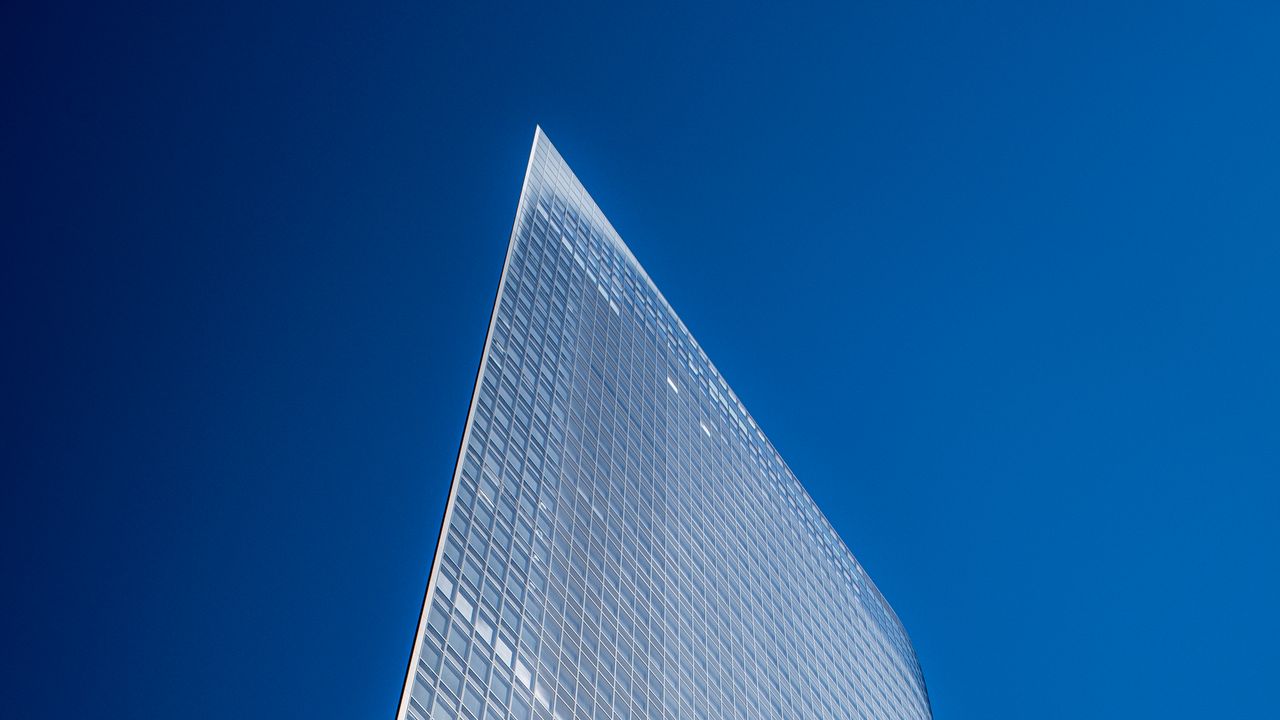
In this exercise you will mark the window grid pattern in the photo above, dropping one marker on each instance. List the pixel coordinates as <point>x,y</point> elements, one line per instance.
<point>622,541</point>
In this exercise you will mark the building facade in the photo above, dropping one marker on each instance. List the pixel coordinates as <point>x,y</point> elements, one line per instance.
<point>621,541</point>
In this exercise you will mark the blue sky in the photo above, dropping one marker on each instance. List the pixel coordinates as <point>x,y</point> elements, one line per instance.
<point>1000,282</point>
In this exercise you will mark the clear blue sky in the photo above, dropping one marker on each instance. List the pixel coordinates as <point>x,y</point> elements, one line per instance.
<point>1001,282</point>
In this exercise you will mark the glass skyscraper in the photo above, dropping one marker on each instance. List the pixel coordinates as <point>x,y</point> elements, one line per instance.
<point>621,541</point>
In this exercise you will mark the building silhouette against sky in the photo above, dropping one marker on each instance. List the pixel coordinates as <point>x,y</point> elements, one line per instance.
<point>621,541</point>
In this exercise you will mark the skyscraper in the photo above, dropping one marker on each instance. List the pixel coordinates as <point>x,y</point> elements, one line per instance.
<point>621,541</point>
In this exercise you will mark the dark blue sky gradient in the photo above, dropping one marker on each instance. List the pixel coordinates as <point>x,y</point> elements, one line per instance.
<point>1000,282</point>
